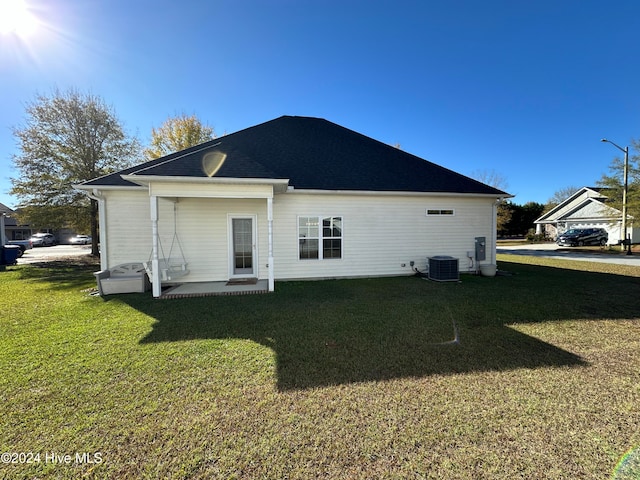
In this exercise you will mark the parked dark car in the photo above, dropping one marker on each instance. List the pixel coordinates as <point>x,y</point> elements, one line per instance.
<point>43,240</point>
<point>577,237</point>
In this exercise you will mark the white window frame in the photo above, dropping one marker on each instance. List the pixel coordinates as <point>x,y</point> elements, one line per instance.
<point>320,238</point>
<point>441,212</point>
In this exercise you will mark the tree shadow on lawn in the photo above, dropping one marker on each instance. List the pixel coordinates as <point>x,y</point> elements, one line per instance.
<point>61,274</point>
<point>344,331</point>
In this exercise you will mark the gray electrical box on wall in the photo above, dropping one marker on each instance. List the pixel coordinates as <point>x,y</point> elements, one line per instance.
<point>481,248</point>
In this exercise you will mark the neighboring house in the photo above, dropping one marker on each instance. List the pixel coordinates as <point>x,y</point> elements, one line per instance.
<point>586,208</point>
<point>16,231</point>
<point>292,198</point>
<point>13,230</point>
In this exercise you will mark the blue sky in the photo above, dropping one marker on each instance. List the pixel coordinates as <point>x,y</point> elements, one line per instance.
<point>523,88</point>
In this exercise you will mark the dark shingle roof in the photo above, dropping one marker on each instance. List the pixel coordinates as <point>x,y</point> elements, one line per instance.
<point>313,154</point>
<point>6,210</point>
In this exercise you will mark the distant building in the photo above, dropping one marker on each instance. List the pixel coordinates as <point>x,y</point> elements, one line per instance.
<point>586,208</point>
<point>12,229</point>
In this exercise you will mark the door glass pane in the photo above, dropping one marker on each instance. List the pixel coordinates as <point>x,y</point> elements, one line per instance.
<point>242,245</point>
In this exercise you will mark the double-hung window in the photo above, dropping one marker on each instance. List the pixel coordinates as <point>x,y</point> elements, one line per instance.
<point>319,237</point>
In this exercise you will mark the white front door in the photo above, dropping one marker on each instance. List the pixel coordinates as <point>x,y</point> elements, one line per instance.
<point>242,246</point>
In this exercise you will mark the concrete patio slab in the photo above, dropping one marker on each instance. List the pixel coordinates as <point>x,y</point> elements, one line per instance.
<point>206,289</point>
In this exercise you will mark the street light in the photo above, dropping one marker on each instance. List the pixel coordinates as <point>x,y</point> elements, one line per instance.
<point>624,192</point>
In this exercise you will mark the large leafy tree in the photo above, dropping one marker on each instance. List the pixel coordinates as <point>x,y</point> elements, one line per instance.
<point>614,182</point>
<point>519,219</point>
<point>177,133</point>
<point>67,138</point>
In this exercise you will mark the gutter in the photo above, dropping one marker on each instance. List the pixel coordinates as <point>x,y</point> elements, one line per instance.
<point>94,194</point>
<point>397,193</point>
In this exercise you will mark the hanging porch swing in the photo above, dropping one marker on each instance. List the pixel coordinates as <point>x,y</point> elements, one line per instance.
<point>170,267</point>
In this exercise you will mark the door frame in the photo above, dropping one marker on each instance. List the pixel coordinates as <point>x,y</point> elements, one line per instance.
<point>254,251</point>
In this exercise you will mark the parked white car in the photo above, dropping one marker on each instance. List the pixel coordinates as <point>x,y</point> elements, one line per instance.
<point>80,240</point>
<point>43,240</point>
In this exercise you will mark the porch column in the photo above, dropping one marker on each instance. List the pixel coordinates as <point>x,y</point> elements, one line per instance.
<point>155,264</point>
<point>270,239</point>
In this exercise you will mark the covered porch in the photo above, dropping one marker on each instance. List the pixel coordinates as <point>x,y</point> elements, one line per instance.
<point>240,251</point>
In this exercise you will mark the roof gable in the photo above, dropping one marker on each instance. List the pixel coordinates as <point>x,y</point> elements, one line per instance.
<point>6,210</point>
<point>591,209</point>
<point>588,202</point>
<point>312,153</point>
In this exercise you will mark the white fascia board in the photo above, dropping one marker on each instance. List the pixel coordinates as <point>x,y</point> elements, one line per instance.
<point>391,193</point>
<point>550,217</point>
<point>90,188</point>
<point>545,218</point>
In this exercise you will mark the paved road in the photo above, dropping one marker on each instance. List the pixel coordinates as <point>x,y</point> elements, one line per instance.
<point>553,251</point>
<point>44,254</point>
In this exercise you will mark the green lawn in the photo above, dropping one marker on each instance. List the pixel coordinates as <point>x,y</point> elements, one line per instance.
<point>348,379</point>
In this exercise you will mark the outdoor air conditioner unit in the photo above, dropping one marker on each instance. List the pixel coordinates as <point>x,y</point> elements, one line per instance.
<point>443,268</point>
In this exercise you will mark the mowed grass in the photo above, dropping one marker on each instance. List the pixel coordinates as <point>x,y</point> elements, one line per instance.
<point>348,379</point>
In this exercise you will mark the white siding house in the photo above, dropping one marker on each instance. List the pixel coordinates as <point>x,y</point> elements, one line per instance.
<point>381,234</point>
<point>586,208</point>
<point>293,198</point>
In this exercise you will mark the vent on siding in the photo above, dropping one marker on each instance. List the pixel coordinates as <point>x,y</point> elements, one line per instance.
<point>443,268</point>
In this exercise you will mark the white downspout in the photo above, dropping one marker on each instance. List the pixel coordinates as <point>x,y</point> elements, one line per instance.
<point>494,231</point>
<point>3,238</point>
<point>270,240</point>
<point>155,264</point>
<point>102,227</point>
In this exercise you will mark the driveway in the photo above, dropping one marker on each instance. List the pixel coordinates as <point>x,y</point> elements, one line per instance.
<point>551,250</point>
<point>57,252</point>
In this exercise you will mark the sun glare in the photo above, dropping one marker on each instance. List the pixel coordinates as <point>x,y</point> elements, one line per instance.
<point>15,18</point>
